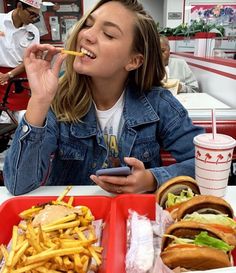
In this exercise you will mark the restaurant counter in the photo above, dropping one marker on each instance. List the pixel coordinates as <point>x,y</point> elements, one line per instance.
<point>91,190</point>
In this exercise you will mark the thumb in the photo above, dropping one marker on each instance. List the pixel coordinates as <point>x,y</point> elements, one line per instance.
<point>134,163</point>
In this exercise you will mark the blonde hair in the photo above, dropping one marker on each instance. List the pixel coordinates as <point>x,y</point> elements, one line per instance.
<point>74,98</point>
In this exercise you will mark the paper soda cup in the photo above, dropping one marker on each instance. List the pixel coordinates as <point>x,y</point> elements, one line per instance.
<point>213,159</point>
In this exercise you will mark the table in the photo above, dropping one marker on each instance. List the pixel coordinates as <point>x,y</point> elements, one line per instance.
<point>200,101</point>
<point>92,190</point>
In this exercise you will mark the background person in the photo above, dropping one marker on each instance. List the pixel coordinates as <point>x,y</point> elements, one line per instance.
<point>17,33</point>
<point>178,69</point>
<point>108,108</point>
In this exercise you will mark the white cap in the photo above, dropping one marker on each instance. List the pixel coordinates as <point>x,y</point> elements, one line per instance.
<point>34,3</point>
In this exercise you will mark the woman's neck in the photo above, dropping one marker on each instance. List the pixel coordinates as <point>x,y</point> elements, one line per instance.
<point>105,95</point>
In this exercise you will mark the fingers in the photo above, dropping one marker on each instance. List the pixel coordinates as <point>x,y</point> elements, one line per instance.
<point>41,51</point>
<point>112,184</point>
<point>46,53</point>
<point>134,163</point>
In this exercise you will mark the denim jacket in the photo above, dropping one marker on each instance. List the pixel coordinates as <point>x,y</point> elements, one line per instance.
<point>63,153</point>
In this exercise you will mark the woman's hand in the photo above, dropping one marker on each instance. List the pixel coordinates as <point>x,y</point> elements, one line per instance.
<point>140,181</point>
<point>43,76</point>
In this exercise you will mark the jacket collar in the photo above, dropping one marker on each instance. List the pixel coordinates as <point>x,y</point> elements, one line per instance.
<point>137,111</point>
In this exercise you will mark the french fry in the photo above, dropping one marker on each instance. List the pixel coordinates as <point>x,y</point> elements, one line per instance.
<point>20,252</point>
<point>45,255</point>
<point>26,214</point>
<point>13,247</point>
<point>4,252</point>
<point>70,201</point>
<point>94,254</point>
<point>78,263</point>
<point>44,269</point>
<point>72,52</point>
<point>27,268</point>
<point>64,193</point>
<point>61,226</point>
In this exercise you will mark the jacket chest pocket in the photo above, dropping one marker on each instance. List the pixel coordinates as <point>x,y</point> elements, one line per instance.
<point>72,151</point>
<point>146,151</point>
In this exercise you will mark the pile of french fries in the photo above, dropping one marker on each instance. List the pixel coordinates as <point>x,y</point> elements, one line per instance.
<point>65,245</point>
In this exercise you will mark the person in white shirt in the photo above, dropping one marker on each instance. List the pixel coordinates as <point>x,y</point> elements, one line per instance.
<point>17,32</point>
<point>178,70</point>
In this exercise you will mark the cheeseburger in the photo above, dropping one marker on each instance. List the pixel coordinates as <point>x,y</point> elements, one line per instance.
<point>196,246</point>
<point>176,191</point>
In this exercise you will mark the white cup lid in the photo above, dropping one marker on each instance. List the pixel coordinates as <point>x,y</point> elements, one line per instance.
<point>219,142</point>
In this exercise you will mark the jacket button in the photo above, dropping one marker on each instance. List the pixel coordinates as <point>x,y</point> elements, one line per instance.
<point>94,165</point>
<point>25,128</point>
<point>146,155</point>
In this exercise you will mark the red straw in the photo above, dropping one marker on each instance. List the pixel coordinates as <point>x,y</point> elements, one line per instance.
<point>213,121</point>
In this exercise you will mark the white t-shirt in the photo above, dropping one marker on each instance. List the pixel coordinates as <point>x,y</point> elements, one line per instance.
<point>14,41</point>
<point>111,123</point>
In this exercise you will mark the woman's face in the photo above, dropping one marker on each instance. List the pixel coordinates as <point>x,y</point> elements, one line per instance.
<point>106,38</point>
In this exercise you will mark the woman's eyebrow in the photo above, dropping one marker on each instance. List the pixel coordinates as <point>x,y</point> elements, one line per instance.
<point>106,23</point>
<point>110,24</point>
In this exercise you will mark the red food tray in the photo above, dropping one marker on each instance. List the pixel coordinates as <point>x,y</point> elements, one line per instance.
<point>100,207</point>
<point>114,212</point>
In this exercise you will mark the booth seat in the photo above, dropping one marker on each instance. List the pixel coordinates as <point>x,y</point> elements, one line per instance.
<point>227,127</point>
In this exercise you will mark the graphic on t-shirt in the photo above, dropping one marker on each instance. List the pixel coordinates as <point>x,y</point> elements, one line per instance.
<point>111,123</point>
<point>112,147</point>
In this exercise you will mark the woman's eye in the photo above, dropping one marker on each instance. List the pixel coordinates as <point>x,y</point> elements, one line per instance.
<point>108,35</point>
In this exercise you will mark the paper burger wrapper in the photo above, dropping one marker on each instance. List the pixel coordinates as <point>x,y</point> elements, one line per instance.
<point>172,85</point>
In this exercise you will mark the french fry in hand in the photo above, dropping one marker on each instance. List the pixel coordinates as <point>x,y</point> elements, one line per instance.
<point>70,52</point>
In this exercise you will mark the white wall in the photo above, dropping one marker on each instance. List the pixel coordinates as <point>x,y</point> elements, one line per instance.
<point>210,78</point>
<point>172,6</point>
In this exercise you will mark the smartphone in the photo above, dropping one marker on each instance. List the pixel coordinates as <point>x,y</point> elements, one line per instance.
<point>118,171</point>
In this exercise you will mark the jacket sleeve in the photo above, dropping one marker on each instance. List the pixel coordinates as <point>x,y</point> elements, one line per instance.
<point>28,159</point>
<point>176,134</point>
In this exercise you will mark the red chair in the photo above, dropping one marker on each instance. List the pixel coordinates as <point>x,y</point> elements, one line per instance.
<point>12,100</point>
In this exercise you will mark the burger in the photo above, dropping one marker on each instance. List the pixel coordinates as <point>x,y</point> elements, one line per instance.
<point>196,246</point>
<point>203,237</point>
<point>211,210</point>
<point>206,208</point>
<point>176,191</point>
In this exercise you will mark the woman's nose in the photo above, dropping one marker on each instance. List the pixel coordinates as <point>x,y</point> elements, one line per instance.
<point>90,34</point>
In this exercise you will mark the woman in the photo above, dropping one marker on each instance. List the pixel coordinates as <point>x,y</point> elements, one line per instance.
<point>108,109</point>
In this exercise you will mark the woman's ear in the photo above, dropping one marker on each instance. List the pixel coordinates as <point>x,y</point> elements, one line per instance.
<point>135,62</point>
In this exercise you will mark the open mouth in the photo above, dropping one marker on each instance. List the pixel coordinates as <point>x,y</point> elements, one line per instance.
<point>88,53</point>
